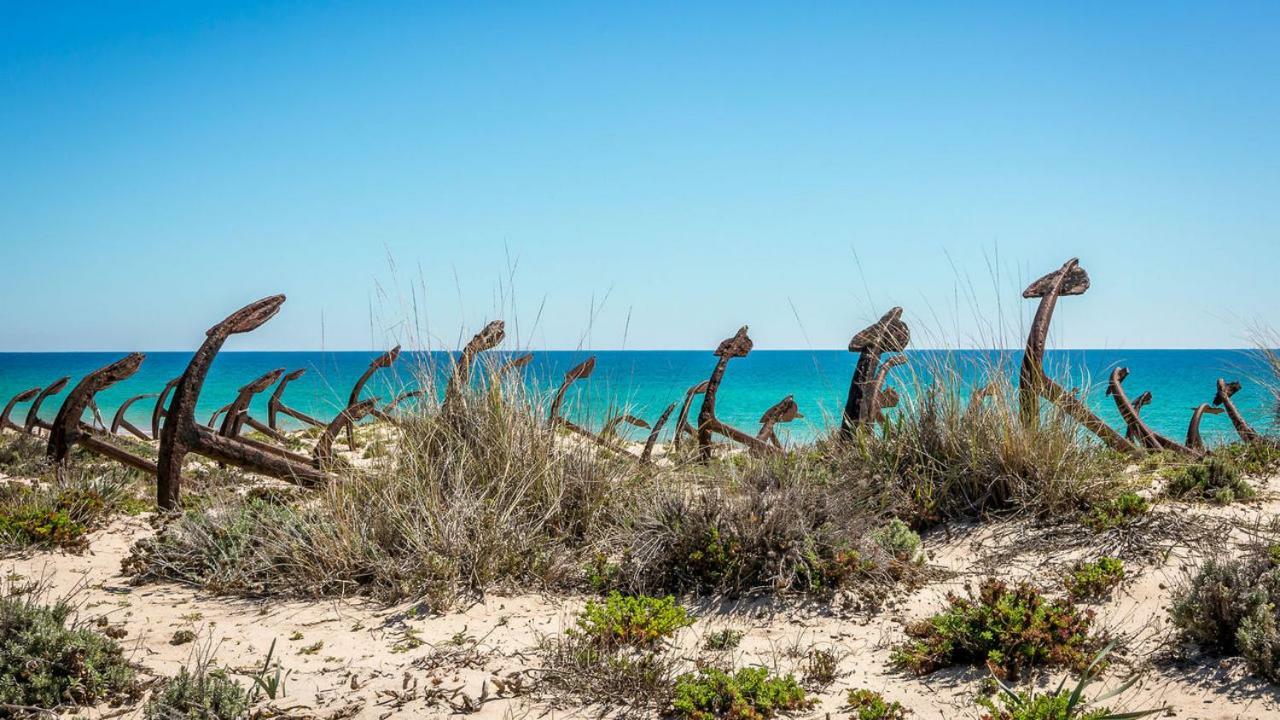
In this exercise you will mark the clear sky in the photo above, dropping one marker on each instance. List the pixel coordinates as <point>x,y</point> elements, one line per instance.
<point>643,174</point>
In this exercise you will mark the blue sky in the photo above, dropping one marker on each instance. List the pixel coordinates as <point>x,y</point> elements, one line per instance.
<point>647,175</point>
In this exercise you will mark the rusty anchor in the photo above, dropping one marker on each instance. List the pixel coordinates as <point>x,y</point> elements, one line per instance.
<point>120,421</point>
<point>682,420</point>
<point>1033,382</point>
<point>1223,399</point>
<point>159,412</point>
<point>1143,434</point>
<point>237,412</point>
<point>322,454</point>
<point>24,396</point>
<point>784,411</point>
<point>182,434</point>
<point>646,455</point>
<point>68,429</point>
<point>33,414</point>
<point>867,395</point>
<point>384,360</point>
<point>487,339</point>
<point>581,371</point>
<point>276,406</point>
<point>1194,441</point>
<point>708,424</point>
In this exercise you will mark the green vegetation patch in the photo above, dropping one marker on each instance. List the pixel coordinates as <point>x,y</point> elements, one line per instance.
<point>1231,606</point>
<point>203,694</point>
<point>1120,510</point>
<point>1007,627</point>
<point>721,640</point>
<point>748,694</point>
<point>1093,580</point>
<point>61,514</point>
<point>1060,704</point>
<point>637,621</point>
<point>863,704</point>
<point>48,660</point>
<point>1213,479</point>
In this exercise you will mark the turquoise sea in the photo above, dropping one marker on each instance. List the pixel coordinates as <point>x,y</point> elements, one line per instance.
<point>644,382</point>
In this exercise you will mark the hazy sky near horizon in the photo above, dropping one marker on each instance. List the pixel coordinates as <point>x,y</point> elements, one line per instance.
<point>640,175</point>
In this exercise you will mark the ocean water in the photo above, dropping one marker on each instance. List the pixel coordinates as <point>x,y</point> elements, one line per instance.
<point>644,382</point>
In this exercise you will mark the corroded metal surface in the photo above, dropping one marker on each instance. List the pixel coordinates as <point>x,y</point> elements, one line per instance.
<point>864,404</point>
<point>1144,435</point>
<point>21,397</point>
<point>69,429</point>
<point>33,413</point>
<point>238,410</point>
<point>682,421</point>
<point>784,411</point>
<point>610,427</point>
<point>276,406</point>
<point>515,364</point>
<point>385,360</point>
<point>487,339</point>
<point>120,421</point>
<point>708,424</point>
<point>159,412</point>
<point>581,371</point>
<point>350,415</point>
<point>1194,441</point>
<point>646,455</point>
<point>181,433</point>
<point>1223,399</point>
<point>1033,383</point>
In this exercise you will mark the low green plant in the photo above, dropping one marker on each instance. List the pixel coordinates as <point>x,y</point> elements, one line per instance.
<point>1213,479</point>
<point>1231,606</point>
<point>49,660</point>
<point>1061,704</point>
<point>182,637</point>
<point>204,693</point>
<point>748,694</point>
<point>632,620</point>
<point>1092,580</point>
<point>864,704</point>
<point>1008,627</point>
<point>726,639</point>
<point>900,541</point>
<point>1251,458</point>
<point>270,679</point>
<point>62,512</point>
<point>821,668</point>
<point>1117,511</point>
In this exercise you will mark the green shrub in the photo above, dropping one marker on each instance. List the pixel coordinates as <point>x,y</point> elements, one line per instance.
<point>1092,580</point>
<point>866,704</point>
<point>937,457</point>
<point>1060,704</point>
<point>205,694</point>
<point>1213,479</point>
<point>779,524</point>
<point>182,637</point>
<point>748,694</point>
<point>638,621</point>
<point>1117,511</point>
<point>48,660</point>
<point>726,639</point>
<point>61,513</point>
<point>821,668</point>
<point>1007,627</point>
<point>900,541</point>
<point>1253,459</point>
<point>1230,606</point>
